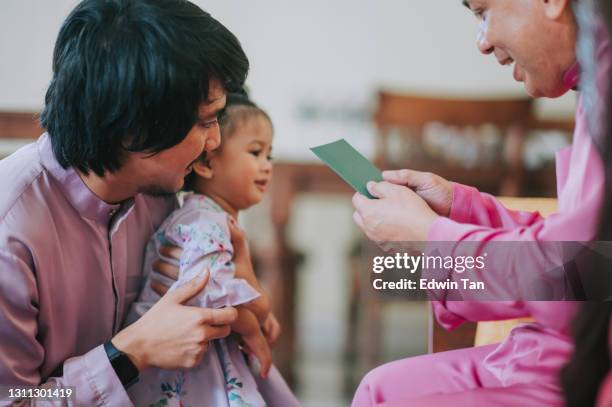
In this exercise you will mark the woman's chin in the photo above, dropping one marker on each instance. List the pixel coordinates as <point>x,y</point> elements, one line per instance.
<point>547,89</point>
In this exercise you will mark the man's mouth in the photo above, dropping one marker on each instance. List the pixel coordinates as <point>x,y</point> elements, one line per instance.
<point>190,166</point>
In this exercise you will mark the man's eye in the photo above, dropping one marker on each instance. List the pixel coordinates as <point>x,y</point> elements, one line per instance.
<point>479,13</point>
<point>209,124</point>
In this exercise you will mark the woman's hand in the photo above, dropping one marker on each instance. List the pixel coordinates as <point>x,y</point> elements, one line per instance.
<point>435,190</point>
<point>399,215</point>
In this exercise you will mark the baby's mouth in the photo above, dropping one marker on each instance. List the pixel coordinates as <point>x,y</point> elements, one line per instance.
<point>262,184</point>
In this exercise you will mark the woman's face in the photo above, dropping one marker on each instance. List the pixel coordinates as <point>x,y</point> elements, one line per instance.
<point>536,37</point>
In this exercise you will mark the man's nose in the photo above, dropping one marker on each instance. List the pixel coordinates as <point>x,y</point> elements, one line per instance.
<point>482,41</point>
<point>213,140</point>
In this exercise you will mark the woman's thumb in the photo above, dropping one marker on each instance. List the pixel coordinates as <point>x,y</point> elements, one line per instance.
<point>403,177</point>
<point>381,189</point>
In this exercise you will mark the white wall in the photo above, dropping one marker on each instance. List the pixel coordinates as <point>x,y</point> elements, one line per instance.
<point>323,52</point>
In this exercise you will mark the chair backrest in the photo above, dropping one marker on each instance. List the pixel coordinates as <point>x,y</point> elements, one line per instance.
<point>407,115</point>
<point>19,125</point>
<point>496,331</point>
<point>402,110</point>
<point>485,333</point>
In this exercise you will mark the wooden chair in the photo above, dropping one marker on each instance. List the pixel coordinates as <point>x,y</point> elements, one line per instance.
<point>495,331</point>
<point>407,115</point>
<point>16,125</point>
<point>484,333</point>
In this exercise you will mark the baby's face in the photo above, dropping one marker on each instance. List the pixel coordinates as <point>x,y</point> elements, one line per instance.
<point>242,170</point>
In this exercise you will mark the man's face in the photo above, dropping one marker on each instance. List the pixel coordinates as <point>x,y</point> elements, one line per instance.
<point>538,37</point>
<point>164,172</point>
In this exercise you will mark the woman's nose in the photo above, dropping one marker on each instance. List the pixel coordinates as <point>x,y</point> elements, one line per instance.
<point>482,41</point>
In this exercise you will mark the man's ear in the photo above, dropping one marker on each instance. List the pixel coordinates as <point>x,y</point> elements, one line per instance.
<point>554,9</point>
<point>203,169</point>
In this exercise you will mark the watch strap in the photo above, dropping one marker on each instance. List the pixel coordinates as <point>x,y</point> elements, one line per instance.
<point>125,370</point>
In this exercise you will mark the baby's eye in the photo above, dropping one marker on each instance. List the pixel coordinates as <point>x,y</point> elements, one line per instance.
<point>255,152</point>
<point>270,158</point>
<point>479,13</point>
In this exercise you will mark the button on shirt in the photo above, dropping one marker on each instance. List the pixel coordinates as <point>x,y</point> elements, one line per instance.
<point>70,267</point>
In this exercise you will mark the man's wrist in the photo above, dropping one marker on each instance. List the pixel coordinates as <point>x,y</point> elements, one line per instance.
<point>124,368</point>
<point>124,342</point>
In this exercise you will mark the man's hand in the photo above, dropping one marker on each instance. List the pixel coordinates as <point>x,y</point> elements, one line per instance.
<point>166,269</point>
<point>172,335</point>
<point>399,215</point>
<point>435,190</point>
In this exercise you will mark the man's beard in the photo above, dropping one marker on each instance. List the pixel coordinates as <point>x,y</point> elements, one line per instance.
<point>156,191</point>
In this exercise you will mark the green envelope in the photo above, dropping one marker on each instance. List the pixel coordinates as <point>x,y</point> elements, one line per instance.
<point>349,164</point>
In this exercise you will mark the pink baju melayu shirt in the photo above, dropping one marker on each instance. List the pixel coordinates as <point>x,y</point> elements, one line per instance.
<point>70,267</point>
<point>524,369</point>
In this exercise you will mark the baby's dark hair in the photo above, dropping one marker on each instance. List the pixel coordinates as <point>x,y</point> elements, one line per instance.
<point>238,109</point>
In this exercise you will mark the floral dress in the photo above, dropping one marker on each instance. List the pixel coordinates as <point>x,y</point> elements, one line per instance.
<point>224,377</point>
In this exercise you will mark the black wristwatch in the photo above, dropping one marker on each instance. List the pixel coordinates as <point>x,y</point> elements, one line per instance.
<point>126,371</point>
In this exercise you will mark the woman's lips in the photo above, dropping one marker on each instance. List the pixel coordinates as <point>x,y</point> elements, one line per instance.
<point>518,73</point>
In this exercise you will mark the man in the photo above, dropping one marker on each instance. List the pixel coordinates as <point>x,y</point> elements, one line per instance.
<point>539,37</point>
<point>136,90</point>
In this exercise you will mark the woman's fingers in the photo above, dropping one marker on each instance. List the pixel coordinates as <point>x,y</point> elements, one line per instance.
<point>406,177</point>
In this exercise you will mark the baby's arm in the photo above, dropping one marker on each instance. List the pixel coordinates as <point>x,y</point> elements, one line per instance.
<point>247,326</point>
<point>204,238</point>
<point>244,269</point>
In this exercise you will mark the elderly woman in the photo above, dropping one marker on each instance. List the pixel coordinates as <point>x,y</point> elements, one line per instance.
<point>539,37</point>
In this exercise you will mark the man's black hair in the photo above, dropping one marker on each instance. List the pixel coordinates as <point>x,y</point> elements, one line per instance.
<point>129,75</point>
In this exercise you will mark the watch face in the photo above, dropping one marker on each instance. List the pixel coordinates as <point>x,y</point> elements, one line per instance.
<point>125,370</point>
